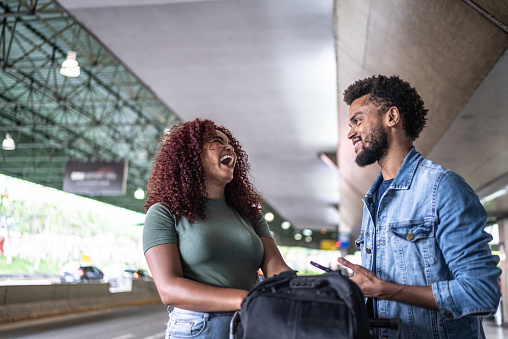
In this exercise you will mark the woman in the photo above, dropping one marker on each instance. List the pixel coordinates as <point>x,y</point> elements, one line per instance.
<point>204,236</point>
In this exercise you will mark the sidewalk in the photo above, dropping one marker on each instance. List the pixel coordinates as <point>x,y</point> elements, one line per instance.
<point>492,331</point>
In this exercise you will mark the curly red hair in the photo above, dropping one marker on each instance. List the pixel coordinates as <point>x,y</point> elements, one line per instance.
<point>178,181</point>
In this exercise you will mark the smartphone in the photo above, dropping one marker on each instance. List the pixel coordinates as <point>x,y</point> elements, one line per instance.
<point>326,269</point>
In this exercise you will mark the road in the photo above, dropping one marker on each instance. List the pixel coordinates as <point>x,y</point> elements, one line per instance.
<point>141,322</point>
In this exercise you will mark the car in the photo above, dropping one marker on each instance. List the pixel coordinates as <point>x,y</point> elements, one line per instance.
<point>120,276</point>
<point>145,274</point>
<point>74,272</point>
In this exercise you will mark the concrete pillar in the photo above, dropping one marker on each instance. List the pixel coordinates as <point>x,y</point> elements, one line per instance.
<point>503,241</point>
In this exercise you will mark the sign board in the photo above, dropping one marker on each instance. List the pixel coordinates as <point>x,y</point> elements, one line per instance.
<point>95,178</point>
<point>328,244</point>
<point>343,240</point>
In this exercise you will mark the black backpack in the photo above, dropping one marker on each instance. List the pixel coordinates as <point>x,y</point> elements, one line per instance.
<point>288,306</point>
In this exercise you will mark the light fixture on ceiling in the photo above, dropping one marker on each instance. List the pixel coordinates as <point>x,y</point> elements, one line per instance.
<point>285,225</point>
<point>329,159</point>
<point>269,216</point>
<point>494,195</point>
<point>8,143</point>
<point>307,232</point>
<point>70,66</point>
<point>139,193</point>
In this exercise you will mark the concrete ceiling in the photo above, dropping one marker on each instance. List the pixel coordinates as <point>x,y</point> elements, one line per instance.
<point>274,71</point>
<point>454,54</point>
<point>264,69</point>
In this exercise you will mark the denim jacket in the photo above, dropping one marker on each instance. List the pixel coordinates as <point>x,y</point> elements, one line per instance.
<point>430,231</point>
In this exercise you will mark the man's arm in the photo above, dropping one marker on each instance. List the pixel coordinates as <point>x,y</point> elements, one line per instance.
<point>463,242</point>
<point>372,287</point>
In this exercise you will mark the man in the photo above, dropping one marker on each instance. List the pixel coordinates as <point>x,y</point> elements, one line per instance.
<point>425,254</point>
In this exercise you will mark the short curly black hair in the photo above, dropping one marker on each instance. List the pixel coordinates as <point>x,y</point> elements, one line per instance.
<point>385,92</point>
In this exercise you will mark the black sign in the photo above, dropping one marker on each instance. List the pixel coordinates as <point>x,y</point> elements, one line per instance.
<point>95,178</point>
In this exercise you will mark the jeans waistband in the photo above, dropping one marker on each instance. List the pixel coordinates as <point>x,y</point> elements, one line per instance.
<point>207,315</point>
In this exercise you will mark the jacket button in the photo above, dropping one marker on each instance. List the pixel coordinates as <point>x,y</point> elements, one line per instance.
<point>448,314</point>
<point>410,236</point>
<point>368,250</point>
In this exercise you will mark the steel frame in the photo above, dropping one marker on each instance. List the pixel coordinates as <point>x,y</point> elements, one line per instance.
<point>106,113</point>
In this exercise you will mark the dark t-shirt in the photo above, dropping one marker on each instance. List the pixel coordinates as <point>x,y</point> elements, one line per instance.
<point>379,194</point>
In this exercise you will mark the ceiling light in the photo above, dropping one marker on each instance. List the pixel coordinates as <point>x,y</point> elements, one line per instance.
<point>8,143</point>
<point>491,196</point>
<point>298,236</point>
<point>70,66</point>
<point>269,216</point>
<point>329,159</point>
<point>307,232</point>
<point>139,194</point>
<point>285,225</point>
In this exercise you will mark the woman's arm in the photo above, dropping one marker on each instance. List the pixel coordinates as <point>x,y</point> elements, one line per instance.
<point>273,263</point>
<point>165,265</point>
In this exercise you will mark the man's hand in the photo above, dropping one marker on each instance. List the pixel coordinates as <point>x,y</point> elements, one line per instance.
<point>365,279</point>
<point>372,287</point>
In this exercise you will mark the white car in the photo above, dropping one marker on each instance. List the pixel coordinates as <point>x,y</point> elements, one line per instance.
<point>120,276</point>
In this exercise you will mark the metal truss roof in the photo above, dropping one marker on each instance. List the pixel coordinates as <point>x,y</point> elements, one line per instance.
<point>105,114</point>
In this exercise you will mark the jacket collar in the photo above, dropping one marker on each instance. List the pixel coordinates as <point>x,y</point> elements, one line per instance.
<point>404,176</point>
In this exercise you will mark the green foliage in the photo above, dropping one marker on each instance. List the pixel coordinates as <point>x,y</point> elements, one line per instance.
<point>20,265</point>
<point>308,272</point>
<point>49,227</point>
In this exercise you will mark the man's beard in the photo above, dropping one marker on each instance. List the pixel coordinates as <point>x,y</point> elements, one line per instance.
<point>378,147</point>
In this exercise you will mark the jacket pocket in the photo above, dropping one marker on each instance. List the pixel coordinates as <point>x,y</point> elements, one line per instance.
<point>413,244</point>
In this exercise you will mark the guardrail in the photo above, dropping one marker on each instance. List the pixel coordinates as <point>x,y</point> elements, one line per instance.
<point>22,302</point>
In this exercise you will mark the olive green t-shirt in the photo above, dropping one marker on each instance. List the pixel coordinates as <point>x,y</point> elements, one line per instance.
<point>221,250</point>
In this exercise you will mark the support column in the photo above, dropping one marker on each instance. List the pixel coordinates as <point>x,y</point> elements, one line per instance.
<point>503,241</point>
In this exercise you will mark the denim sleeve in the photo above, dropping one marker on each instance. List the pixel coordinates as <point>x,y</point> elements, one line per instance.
<point>473,289</point>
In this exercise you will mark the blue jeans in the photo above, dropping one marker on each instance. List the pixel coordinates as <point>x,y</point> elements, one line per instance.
<point>203,325</point>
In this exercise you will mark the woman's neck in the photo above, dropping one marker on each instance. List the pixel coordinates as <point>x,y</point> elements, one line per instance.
<point>215,192</point>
